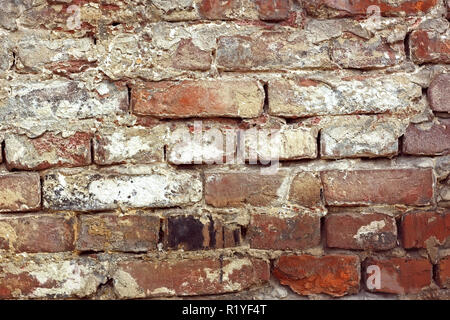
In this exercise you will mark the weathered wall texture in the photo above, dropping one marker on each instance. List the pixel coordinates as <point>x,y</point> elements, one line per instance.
<point>100,196</point>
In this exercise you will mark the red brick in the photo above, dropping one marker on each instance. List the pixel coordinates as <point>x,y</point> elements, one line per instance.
<point>20,192</point>
<point>333,8</point>
<point>133,233</point>
<point>47,151</point>
<point>129,145</point>
<point>336,275</point>
<point>271,51</point>
<point>238,189</point>
<point>429,47</point>
<point>22,282</point>
<point>420,227</point>
<point>402,275</point>
<point>281,233</point>
<point>50,276</point>
<point>306,190</point>
<point>361,231</point>
<point>189,277</point>
<point>448,9</point>
<point>443,272</point>
<point>273,10</point>
<point>55,17</point>
<point>199,233</point>
<point>190,57</point>
<point>351,51</point>
<point>428,139</point>
<point>439,93</point>
<point>304,97</point>
<point>37,233</point>
<point>207,98</point>
<point>218,9</point>
<point>266,10</point>
<point>366,187</point>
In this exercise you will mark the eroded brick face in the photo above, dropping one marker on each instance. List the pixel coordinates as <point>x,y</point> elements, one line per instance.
<point>330,8</point>
<point>408,187</point>
<point>189,277</point>
<point>20,192</point>
<point>361,231</point>
<point>335,275</point>
<point>422,229</point>
<point>428,139</point>
<point>193,99</point>
<point>439,94</point>
<point>280,233</point>
<point>37,233</point>
<point>48,151</point>
<point>429,47</point>
<point>137,233</point>
<point>224,149</point>
<point>238,189</point>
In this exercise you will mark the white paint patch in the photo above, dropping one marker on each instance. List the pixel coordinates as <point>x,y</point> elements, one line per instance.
<point>371,228</point>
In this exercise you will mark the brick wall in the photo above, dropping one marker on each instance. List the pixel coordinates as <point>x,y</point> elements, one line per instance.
<point>244,148</point>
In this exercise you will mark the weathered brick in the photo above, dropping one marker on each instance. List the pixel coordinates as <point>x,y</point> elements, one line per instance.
<point>202,142</point>
<point>364,136</point>
<point>37,233</point>
<point>306,189</point>
<point>401,275</point>
<point>63,99</point>
<point>281,233</point>
<point>368,187</point>
<point>220,10</point>
<point>134,145</point>
<point>420,229</point>
<point>6,55</point>
<point>20,192</point>
<point>56,17</point>
<point>190,98</point>
<point>351,51</point>
<point>285,143</point>
<point>48,150</point>
<point>199,233</point>
<point>439,93</point>
<point>448,9</point>
<point>332,8</point>
<point>190,57</point>
<point>428,138</point>
<point>238,189</point>
<point>129,233</point>
<point>443,273</point>
<point>188,277</point>
<point>361,231</point>
<point>10,11</point>
<point>273,10</point>
<point>305,97</point>
<point>271,50</point>
<point>177,10</point>
<point>60,55</point>
<point>429,47</point>
<point>335,275</point>
<point>90,191</point>
<point>49,276</point>
<point>267,10</point>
